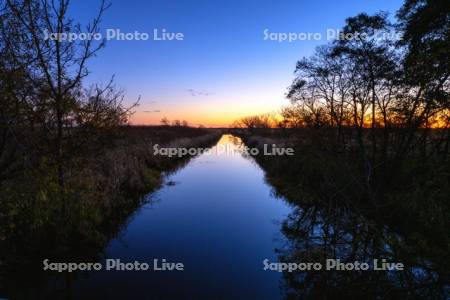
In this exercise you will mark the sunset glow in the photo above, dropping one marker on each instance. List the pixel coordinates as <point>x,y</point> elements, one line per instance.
<point>223,68</point>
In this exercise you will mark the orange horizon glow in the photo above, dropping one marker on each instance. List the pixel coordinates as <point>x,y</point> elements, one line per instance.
<point>208,114</point>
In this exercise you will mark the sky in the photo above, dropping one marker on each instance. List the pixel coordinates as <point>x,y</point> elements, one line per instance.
<point>229,63</point>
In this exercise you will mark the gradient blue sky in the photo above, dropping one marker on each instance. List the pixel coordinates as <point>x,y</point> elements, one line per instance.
<point>223,54</point>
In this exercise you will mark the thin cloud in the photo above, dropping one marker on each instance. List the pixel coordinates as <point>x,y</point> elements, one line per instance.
<point>152,111</point>
<point>195,93</point>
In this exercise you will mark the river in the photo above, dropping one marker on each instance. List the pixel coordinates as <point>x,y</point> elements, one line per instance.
<point>218,217</point>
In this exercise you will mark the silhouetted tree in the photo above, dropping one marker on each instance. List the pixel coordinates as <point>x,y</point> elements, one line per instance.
<point>52,102</point>
<point>165,122</point>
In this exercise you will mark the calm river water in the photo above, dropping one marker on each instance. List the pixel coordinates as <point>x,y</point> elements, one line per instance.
<point>218,217</point>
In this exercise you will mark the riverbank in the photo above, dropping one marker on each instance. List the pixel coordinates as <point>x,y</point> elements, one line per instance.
<point>217,217</point>
<point>335,217</point>
<point>100,181</point>
<point>40,219</point>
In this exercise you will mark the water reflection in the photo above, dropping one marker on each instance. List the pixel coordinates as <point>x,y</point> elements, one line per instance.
<point>315,235</point>
<point>220,218</point>
<point>318,230</point>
